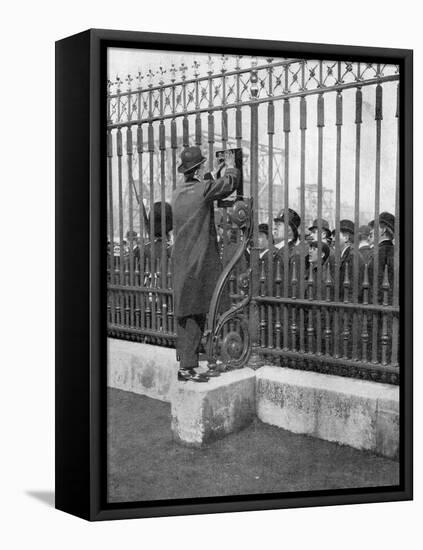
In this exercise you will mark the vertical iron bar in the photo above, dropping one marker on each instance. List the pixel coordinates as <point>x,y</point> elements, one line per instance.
<point>173,139</point>
<point>294,283</point>
<point>152,236</point>
<point>210,123</point>
<point>238,120</point>
<point>346,327</point>
<point>143,229</point>
<point>378,119</point>
<point>254,314</point>
<point>364,327</point>
<point>120,205</point>
<point>385,337</point>
<point>328,331</point>
<point>286,259</point>
<point>163,259</point>
<point>270,132</point>
<point>129,151</point>
<point>310,327</point>
<point>278,326</point>
<point>303,128</point>
<point>356,274</point>
<point>262,306</point>
<point>320,126</point>
<point>336,313</point>
<point>395,293</point>
<point>111,222</point>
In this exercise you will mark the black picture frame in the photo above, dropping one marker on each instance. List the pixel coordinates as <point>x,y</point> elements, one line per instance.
<point>80,263</point>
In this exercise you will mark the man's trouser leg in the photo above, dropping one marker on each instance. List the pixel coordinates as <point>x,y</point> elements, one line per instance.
<point>189,331</point>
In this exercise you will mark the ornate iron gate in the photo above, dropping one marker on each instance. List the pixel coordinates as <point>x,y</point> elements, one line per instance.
<point>298,114</point>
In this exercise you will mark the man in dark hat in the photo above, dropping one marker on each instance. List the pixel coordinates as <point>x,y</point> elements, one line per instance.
<point>195,259</point>
<point>385,254</point>
<point>279,237</point>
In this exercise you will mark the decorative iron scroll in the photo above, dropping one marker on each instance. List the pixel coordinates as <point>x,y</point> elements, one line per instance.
<point>233,348</point>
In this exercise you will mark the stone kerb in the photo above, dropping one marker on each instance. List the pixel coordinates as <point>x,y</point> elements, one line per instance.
<point>204,412</point>
<point>362,414</point>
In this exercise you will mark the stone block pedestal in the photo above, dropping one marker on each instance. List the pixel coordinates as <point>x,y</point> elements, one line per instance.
<point>203,412</point>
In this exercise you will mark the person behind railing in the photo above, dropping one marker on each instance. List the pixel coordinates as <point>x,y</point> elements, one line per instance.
<point>364,247</point>
<point>313,259</point>
<point>290,240</point>
<point>385,255</point>
<point>346,267</point>
<point>263,240</point>
<point>195,258</point>
<point>158,243</point>
<point>326,237</point>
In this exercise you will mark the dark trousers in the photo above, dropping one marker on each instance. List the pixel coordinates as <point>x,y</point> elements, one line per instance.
<point>189,331</point>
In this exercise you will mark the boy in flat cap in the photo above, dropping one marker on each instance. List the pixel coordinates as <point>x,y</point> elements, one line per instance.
<point>195,257</point>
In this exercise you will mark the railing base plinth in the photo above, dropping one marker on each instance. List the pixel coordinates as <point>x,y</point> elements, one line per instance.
<point>255,361</point>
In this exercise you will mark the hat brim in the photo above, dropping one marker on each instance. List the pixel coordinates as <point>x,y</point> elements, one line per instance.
<point>183,169</point>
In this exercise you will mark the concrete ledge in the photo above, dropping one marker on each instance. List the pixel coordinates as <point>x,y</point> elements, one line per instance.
<point>202,412</point>
<point>362,414</point>
<point>141,368</point>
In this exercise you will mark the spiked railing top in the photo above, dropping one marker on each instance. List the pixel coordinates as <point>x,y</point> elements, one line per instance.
<point>256,82</point>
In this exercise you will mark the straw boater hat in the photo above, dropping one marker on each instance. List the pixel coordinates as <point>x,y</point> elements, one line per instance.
<point>191,157</point>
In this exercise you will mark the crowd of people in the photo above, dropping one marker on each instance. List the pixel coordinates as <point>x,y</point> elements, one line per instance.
<point>363,256</point>
<point>272,251</point>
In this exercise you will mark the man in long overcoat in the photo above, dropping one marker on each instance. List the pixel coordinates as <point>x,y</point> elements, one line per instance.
<point>195,258</point>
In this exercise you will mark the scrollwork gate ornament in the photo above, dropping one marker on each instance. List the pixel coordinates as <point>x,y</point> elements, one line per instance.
<point>233,350</point>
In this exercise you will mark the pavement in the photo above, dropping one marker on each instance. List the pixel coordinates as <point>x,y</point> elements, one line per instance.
<point>144,463</point>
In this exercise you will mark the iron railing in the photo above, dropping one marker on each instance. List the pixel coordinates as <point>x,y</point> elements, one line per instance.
<point>297,113</point>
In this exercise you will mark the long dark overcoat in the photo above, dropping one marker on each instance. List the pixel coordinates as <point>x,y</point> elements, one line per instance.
<point>196,263</point>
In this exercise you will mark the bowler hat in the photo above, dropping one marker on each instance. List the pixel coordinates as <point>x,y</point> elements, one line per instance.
<point>347,226</point>
<point>263,228</point>
<point>293,218</point>
<point>191,157</point>
<point>157,213</point>
<point>315,225</point>
<point>388,219</point>
<point>131,234</point>
<point>371,224</point>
